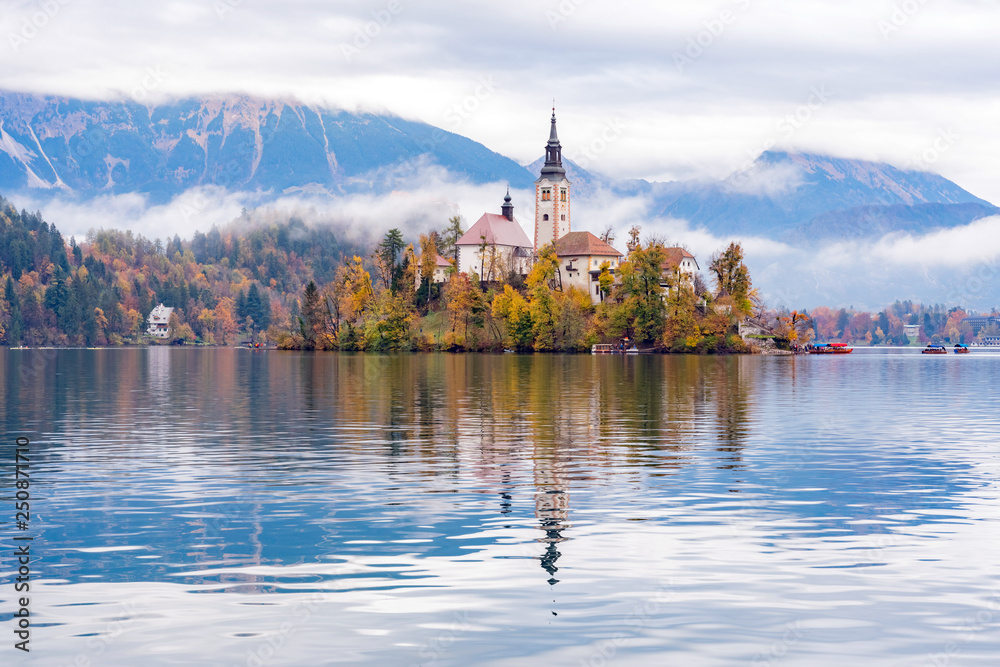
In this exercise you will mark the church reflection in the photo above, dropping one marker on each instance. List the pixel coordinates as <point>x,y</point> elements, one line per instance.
<point>552,511</point>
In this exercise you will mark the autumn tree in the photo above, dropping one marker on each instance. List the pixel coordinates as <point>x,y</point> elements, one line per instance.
<point>541,299</point>
<point>428,263</point>
<point>640,308</point>
<point>513,310</point>
<point>15,321</point>
<point>732,278</point>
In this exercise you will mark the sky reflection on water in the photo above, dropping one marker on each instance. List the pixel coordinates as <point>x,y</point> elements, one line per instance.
<point>228,507</point>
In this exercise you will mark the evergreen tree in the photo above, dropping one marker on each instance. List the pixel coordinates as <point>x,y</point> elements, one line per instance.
<point>449,238</point>
<point>257,306</point>
<point>312,313</point>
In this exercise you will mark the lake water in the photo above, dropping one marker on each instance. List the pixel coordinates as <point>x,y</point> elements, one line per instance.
<point>231,507</point>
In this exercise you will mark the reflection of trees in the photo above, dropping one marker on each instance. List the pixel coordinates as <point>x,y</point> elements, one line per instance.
<point>488,424</point>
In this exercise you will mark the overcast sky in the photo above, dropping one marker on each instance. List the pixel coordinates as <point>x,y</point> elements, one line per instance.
<point>650,89</point>
<point>656,90</point>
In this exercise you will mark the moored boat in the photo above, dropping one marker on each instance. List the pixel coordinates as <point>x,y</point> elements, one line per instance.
<point>829,348</point>
<point>934,349</point>
<point>608,348</point>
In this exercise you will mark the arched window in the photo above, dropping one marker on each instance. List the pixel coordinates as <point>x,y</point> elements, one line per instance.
<point>545,216</point>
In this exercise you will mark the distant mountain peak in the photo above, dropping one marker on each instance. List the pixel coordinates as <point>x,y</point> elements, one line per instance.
<point>240,142</point>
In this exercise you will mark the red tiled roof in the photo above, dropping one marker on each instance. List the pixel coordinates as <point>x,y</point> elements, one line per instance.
<point>497,229</point>
<point>583,243</point>
<point>441,261</point>
<point>674,257</point>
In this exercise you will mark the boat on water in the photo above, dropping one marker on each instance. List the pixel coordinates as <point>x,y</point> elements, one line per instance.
<point>608,348</point>
<point>829,348</point>
<point>934,349</point>
<point>962,349</point>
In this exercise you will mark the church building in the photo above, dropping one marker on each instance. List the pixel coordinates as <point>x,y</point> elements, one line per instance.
<point>552,194</point>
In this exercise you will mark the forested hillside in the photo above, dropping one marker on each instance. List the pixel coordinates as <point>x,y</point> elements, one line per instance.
<point>100,290</point>
<point>317,287</point>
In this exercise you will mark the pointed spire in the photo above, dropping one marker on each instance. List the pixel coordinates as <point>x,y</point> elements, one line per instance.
<point>553,169</point>
<point>507,208</point>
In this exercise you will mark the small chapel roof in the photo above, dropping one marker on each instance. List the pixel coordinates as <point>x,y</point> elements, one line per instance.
<point>497,229</point>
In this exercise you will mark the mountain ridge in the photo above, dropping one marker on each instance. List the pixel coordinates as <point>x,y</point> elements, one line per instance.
<point>237,142</point>
<point>58,146</point>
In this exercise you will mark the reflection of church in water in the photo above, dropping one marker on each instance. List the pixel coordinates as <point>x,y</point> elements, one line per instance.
<point>552,512</point>
<point>551,508</point>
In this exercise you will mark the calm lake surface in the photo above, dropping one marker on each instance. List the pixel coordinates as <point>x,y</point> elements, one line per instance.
<point>233,507</point>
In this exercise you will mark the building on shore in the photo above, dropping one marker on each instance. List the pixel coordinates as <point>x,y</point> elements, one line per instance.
<point>581,255</point>
<point>679,266</point>
<point>440,274</point>
<point>980,322</point>
<point>159,322</point>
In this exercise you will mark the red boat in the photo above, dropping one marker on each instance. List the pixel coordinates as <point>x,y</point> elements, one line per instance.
<point>934,349</point>
<point>830,348</point>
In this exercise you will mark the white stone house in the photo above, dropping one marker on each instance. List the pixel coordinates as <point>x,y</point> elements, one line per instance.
<point>678,265</point>
<point>440,274</point>
<point>159,322</point>
<point>581,255</point>
<point>507,247</point>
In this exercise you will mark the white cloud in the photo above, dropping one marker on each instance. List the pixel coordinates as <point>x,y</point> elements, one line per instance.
<point>976,242</point>
<point>891,94</point>
<point>767,180</point>
<point>960,266</point>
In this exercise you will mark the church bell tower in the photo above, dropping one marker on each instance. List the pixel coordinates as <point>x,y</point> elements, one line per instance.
<point>552,194</point>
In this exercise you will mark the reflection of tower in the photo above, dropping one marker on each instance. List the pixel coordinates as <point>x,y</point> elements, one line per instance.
<point>551,510</point>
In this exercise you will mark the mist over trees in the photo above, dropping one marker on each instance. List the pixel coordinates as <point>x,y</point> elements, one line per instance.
<point>312,287</point>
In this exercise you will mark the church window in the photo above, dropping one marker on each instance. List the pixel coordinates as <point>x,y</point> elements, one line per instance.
<point>562,194</point>
<point>546,194</point>
<point>545,216</point>
<point>563,217</point>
